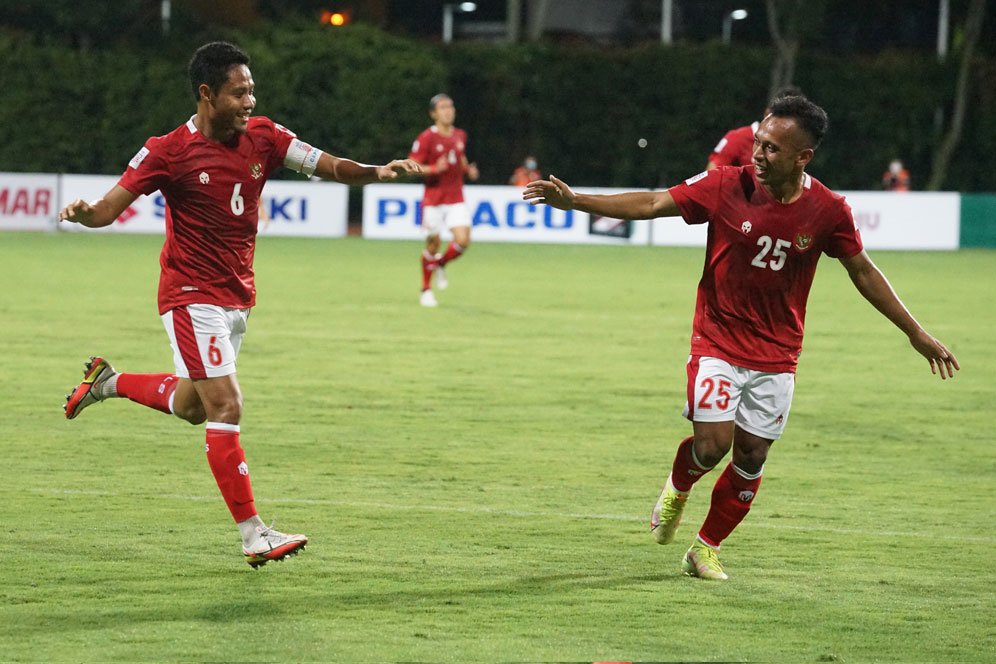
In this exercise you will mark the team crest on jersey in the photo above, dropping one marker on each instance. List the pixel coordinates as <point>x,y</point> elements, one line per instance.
<point>745,227</point>
<point>803,242</point>
<point>256,171</point>
<point>204,177</point>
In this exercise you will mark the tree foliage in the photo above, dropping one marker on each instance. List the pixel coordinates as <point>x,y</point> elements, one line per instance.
<point>362,93</point>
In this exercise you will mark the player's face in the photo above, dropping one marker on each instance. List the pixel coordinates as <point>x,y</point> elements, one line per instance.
<point>235,100</point>
<point>781,151</point>
<point>444,113</point>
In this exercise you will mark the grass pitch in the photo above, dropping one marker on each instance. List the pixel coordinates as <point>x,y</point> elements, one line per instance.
<point>477,479</point>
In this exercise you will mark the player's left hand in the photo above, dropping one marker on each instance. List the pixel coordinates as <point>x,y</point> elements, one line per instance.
<point>398,167</point>
<point>941,359</point>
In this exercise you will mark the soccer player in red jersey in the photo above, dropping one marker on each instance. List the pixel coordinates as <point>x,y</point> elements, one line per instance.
<point>736,148</point>
<point>211,171</point>
<point>768,225</point>
<point>442,151</point>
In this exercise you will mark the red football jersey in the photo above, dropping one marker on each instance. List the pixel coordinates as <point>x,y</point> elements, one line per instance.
<point>447,187</point>
<point>736,148</point>
<point>212,209</point>
<point>760,262</point>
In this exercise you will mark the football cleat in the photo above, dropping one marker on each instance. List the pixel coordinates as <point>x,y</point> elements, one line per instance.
<point>702,561</point>
<point>272,545</point>
<point>441,281</point>
<point>90,391</point>
<point>666,516</point>
<point>428,299</point>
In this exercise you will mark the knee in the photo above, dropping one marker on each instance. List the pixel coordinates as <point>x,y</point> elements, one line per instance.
<point>709,450</point>
<point>750,459</point>
<point>229,412</point>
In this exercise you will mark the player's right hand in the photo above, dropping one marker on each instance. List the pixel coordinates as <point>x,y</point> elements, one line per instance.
<point>77,212</point>
<point>442,164</point>
<point>554,192</point>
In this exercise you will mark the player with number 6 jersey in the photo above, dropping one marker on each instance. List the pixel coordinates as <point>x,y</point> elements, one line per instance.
<point>768,225</point>
<point>211,171</point>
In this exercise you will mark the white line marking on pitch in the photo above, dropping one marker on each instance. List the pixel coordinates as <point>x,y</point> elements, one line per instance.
<point>525,514</point>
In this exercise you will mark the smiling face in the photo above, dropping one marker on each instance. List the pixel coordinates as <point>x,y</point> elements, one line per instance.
<point>231,105</point>
<point>781,151</point>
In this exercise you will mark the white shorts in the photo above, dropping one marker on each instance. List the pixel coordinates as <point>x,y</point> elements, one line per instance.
<point>205,338</point>
<point>759,402</point>
<point>437,218</point>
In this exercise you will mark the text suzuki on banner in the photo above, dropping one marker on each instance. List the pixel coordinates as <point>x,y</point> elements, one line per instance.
<point>314,209</point>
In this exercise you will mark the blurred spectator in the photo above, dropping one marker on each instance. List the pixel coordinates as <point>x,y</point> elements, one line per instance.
<point>526,173</point>
<point>897,178</point>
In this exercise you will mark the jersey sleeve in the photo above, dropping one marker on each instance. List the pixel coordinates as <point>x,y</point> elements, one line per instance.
<point>281,138</point>
<point>845,239</point>
<point>724,153</point>
<point>697,197</point>
<point>420,148</point>
<point>147,171</point>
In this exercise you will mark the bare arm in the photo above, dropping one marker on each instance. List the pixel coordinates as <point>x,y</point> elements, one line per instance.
<point>875,288</point>
<point>101,212</point>
<point>631,205</point>
<point>347,171</point>
<point>470,169</point>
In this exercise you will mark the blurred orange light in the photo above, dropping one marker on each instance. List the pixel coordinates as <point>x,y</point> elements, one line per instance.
<point>337,19</point>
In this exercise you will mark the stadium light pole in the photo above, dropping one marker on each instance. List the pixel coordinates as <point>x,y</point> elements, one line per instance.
<point>165,10</point>
<point>448,10</point>
<point>666,10</point>
<point>943,16</point>
<point>735,15</point>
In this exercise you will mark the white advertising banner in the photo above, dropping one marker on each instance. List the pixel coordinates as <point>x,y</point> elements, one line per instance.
<point>497,213</point>
<point>887,220</point>
<point>314,209</point>
<point>28,201</point>
<point>907,220</point>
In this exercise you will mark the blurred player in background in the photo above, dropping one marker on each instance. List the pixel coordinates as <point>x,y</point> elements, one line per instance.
<point>768,224</point>
<point>442,151</point>
<point>737,146</point>
<point>211,171</point>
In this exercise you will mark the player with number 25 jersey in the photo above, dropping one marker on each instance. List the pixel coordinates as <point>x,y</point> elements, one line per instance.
<point>761,258</point>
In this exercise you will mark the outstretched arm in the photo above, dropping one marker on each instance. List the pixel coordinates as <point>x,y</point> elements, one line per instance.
<point>875,288</point>
<point>101,212</point>
<point>631,205</point>
<point>348,171</point>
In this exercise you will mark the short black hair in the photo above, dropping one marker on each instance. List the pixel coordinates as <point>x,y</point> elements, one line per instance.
<point>787,91</point>
<point>811,118</point>
<point>211,62</point>
<point>438,98</point>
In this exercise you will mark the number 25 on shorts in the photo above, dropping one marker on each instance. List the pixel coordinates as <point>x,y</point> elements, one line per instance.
<point>722,397</point>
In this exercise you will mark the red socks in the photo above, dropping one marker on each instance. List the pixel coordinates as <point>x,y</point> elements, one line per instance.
<point>686,470</point>
<point>731,500</point>
<point>453,252</point>
<point>152,390</point>
<point>228,464</point>
<point>429,264</point>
